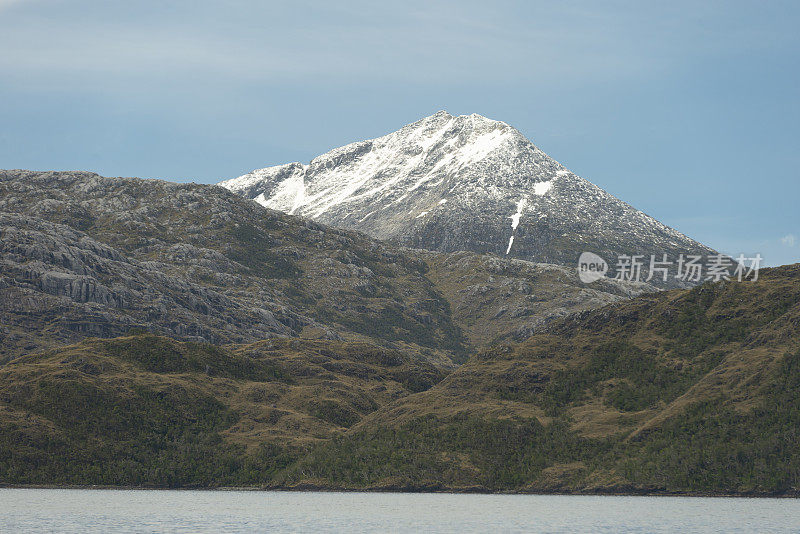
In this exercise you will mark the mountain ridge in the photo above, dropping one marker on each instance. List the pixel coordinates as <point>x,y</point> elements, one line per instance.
<point>84,255</point>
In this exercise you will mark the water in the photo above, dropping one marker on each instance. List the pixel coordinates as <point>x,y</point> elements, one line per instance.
<point>72,510</point>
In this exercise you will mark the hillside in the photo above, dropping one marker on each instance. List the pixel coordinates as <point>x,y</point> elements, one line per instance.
<point>687,391</point>
<point>84,255</point>
<point>145,409</point>
<point>493,298</point>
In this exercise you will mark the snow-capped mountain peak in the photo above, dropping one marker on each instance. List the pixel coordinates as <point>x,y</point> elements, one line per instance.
<point>410,159</point>
<point>462,182</point>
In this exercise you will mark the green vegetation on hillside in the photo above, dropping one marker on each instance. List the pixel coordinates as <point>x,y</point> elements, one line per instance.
<point>712,447</point>
<point>692,391</point>
<point>147,410</point>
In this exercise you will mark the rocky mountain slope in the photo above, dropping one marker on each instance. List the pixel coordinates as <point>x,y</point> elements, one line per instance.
<point>493,298</point>
<point>82,255</point>
<point>450,183</point>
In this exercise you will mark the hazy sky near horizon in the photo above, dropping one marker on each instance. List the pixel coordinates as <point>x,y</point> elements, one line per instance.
<point>687,110</point>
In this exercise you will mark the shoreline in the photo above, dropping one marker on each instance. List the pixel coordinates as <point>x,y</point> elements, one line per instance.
<point>310,488</point>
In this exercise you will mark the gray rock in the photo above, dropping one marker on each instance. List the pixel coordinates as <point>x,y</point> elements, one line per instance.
<point>83,255</point>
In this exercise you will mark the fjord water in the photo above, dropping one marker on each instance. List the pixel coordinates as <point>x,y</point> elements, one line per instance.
<point>77,510</point>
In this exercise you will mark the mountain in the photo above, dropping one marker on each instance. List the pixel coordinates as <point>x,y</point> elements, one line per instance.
<point>86,256</point>
<point>450,183</point>
<point>147,325</point>
<point>177,335</point>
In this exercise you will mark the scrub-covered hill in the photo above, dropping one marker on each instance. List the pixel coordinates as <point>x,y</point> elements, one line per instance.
<point>148,410</point>
<point>684,391</point>
<point>688,391</point>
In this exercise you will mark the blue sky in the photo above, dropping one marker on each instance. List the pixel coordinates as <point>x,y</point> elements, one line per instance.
<point>687,110</point>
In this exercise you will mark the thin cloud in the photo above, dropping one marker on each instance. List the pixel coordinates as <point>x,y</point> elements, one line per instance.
<point>5,4</point>
<point>788,240</point>
<point>427,43</point>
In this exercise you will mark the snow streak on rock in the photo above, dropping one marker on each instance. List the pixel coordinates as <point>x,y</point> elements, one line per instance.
<point>515,221</point>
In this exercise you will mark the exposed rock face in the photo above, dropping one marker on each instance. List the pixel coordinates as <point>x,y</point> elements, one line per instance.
<point>85,255</point>
<point>450,183</point>
<point>83,286</point>
<point>495,298</point>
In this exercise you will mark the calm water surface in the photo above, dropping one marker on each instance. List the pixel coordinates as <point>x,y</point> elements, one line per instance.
<point>70,510</point>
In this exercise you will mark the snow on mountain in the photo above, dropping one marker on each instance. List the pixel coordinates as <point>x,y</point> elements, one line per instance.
<point>462,183</point>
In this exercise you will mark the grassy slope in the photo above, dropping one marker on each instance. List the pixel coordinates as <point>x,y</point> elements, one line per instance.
<point>687,391</point>
<point>149,410</point>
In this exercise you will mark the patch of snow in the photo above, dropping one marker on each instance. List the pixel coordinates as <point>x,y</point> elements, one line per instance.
<point>364,218</point>
<point>510,242</point>
<point>481,146</point>
<point>515,221</point>
<point>515,218</point>
<point>423,214</point>
<point>540,188</point>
